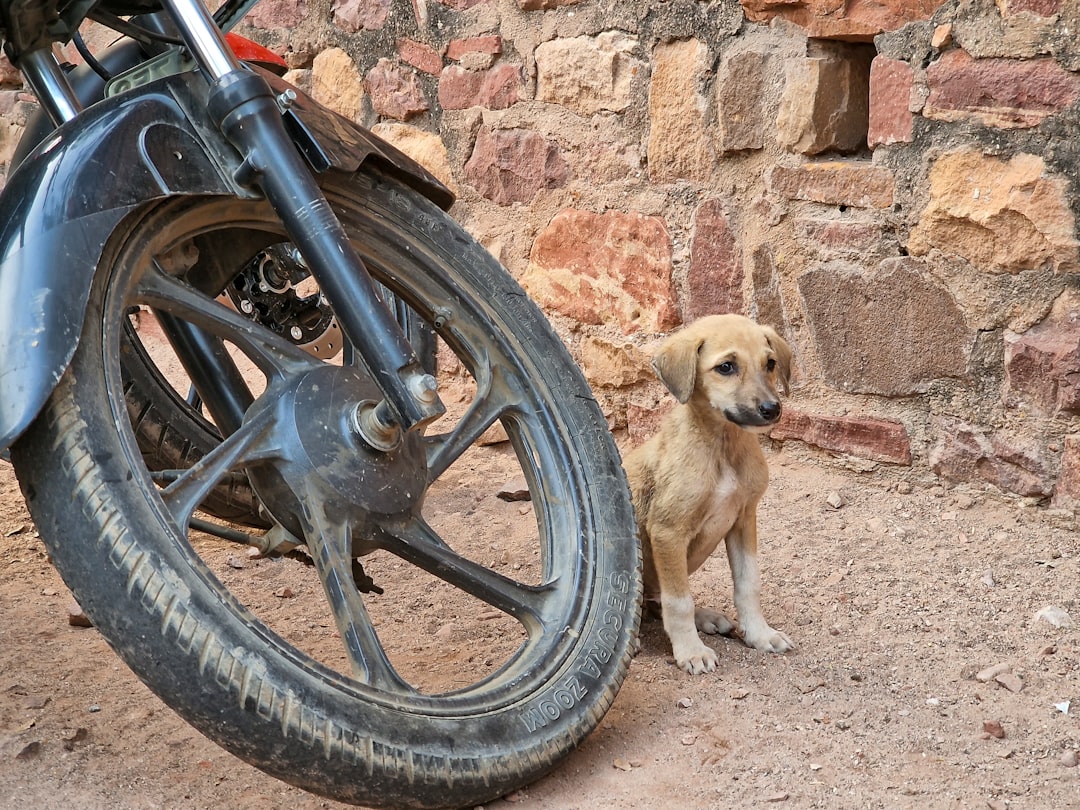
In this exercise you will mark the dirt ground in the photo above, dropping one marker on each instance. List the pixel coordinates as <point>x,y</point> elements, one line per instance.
<point>899,595</point>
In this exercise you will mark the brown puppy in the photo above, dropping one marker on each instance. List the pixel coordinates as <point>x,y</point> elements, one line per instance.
<point>699,479</point>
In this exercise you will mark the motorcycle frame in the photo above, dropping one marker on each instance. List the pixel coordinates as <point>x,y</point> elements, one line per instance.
<point>267,139</point>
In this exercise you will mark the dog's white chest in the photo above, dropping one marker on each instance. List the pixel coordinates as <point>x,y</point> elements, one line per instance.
<point>724,503</point>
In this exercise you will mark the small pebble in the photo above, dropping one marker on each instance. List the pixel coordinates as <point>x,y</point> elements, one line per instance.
<point>94,708</point>
<point>684,703</point>
<point>988,674</point>
<point>1070,759</point>
<point>76,617</point>
<point>994,729</point>
<point>834,500</point>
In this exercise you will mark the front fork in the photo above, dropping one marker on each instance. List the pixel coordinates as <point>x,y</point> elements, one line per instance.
<point>247,111</point>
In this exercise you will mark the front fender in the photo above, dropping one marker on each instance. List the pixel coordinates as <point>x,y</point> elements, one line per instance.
<point>61,206</point>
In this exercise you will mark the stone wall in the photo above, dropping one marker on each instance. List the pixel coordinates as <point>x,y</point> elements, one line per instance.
<point>893,185</point>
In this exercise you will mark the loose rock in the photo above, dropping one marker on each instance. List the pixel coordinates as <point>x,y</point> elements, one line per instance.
<point>1070,759</point>
<point>1010,681</point>
<point>516,490</point>
<point>76,617</point>
<point>988,674</point>
<point>1058,617</point>
<point>994,729</point>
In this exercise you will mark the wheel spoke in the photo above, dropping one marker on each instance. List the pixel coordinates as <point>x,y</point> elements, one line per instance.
<point>494,397</point>
<point>329,542</point>
<point>275,356</point>
<point>416,542</point>
<point>251,443</point>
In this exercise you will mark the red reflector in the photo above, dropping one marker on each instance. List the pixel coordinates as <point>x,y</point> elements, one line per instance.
<point>248,51</point>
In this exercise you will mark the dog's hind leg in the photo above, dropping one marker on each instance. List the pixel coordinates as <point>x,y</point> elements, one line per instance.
<point>712,622</point>
<point>741,544</point>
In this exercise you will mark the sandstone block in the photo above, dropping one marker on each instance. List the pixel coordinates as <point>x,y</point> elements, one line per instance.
<point>544,5</point>
<point>336,83</point>
<point>512,165</point>
<point>740,104</point>
<point>613,365</point>
<point>420,56</point>
<point>360,15</point>
<point>850,182</point>
<point>605,268</point>
<point>767,306</point>
<point>587,74</point>
<point>1002,216</point>
<point>395,92</point>
<point>856,21</point>
<point>714,281</point>
<point>825,105</point>
<point>1067,488</point>
<point>643,419</point>
<point>277,14</point>
<point>1042,365</point>
<point>425,148</point>
<point>678,144</point>
<point>965,452</point>
<point>864,437</point>
<point>839,238</point>
<point>1004,93</point>
<point>890,331</point>
<point>496,89</point>
<point>890,120</point>
<point>491,44</point>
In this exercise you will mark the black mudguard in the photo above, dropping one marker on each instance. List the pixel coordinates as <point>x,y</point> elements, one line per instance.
<point>60,207</point>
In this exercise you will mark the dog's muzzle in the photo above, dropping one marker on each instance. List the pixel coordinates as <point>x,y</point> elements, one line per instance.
<point>765,414</point>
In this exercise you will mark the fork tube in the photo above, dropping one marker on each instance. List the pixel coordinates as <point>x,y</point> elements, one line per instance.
<point>204,38</point>
<point>50,85</point>
<point>246,110</point>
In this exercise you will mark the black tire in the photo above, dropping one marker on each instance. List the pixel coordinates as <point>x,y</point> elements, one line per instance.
<point>159,594</point>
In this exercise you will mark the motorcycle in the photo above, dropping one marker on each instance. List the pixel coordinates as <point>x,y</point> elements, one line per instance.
<point>305,275</point>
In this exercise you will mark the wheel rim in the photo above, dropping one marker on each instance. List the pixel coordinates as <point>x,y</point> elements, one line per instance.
<point>542,611</point>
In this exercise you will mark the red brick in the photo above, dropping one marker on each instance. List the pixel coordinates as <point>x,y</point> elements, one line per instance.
<point>420,56</point>
<point>864,437</point>
<point>1006,93</point>
<point>491,44</point>
<point>891,120</point>
<point>496,89</point>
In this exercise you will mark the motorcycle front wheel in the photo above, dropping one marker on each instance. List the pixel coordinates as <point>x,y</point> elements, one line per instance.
<point>343,682</point>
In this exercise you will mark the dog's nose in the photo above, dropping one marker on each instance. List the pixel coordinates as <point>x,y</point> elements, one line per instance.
<point>769,410</point>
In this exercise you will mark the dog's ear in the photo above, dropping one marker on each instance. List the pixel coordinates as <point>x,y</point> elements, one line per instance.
<point>783,357</point>
<point>675,363</point>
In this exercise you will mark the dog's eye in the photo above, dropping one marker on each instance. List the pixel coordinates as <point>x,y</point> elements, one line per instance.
<point>727,368</point>
<point>770,365</point>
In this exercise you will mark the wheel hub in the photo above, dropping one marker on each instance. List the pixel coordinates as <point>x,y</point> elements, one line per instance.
<point>326,448</point>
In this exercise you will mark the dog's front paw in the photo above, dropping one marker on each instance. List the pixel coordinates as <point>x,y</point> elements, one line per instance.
<point>767,639</point>
<point>696,658</point>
